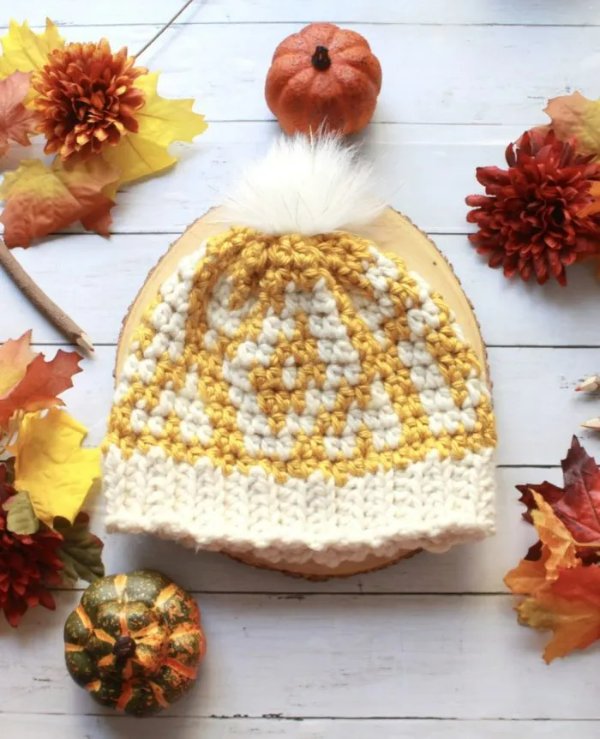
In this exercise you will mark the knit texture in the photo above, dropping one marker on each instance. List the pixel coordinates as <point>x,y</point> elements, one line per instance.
<point>303,398</point>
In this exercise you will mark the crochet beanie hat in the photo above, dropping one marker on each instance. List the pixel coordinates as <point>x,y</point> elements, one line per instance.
<point>294,392</point>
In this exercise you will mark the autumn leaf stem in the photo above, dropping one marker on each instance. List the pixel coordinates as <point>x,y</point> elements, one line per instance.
<point>42,302</point>
<point>163,29</point>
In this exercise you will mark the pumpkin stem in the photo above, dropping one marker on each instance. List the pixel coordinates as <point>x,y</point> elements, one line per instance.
<point>321,59</point>
<point>124,647</point>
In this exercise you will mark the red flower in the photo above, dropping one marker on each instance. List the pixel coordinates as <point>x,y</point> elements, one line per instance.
<point>535,218</point>
<point>28,564</point>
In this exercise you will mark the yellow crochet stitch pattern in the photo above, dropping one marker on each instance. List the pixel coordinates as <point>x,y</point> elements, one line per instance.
<point>300,365</point>
<point>285,363</point>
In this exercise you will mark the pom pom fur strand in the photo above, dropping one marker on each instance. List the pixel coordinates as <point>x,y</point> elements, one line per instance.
<point>305,185</point>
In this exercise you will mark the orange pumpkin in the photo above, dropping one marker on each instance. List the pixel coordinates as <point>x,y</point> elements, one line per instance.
<point>323,76</point>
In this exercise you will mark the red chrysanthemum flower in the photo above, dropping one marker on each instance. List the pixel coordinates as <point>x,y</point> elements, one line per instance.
<point>28,564</point>
<point>86,98</point>
<point>535,218</point>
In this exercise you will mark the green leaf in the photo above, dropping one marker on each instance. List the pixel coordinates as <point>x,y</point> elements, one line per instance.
<point>21,519</point>
<point>81,551</point>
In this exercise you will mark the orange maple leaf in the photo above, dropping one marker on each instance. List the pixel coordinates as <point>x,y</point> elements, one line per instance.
<point>15,356</point>
<point>528,576</point>
<point>558,551</point>
<point>570,608</point>
<point>17,123</point>
<point>559,576</point>
<point>40,200</point>
<point>555,537</point>
<point>31,383</point>
<point>576,504</point>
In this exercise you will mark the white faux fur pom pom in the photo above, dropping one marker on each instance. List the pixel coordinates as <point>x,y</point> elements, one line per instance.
<point>305,185</point>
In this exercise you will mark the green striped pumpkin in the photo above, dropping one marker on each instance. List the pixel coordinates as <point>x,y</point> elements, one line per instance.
<point>135,642</point>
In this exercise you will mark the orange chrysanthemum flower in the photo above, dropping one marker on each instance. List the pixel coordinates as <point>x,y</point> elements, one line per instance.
<point>86,98</point>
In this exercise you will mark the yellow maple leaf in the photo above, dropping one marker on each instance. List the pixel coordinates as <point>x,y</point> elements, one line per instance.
<point>135,157</point>
<point>164,121</point>
<point>27,51</point>
<point>51,466</point>
<point>161,122</point>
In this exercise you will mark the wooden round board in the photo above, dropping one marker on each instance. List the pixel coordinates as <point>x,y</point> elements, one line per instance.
<point>392,232</point>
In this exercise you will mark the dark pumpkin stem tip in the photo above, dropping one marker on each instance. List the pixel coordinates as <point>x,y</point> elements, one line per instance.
<point>124,647</point>
<point>321,59</point>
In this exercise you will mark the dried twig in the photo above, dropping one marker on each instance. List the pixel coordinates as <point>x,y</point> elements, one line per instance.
<point>42,302</point>
<point>163,29</point>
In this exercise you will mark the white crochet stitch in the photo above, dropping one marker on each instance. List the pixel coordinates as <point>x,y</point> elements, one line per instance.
<point>432,505</point>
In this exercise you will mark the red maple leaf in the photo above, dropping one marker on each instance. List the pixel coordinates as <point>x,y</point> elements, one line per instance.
<point>577,503</point>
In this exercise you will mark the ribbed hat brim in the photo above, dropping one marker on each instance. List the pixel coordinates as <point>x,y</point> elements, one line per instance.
<point>432,505</point>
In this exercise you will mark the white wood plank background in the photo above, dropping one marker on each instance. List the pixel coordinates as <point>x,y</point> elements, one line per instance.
<point>429,648</point>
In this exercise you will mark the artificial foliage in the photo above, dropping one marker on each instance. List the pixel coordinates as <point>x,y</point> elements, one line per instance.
<point>101,118</point>
<point>541,213</point>
<point>17,122</point>
<point>30,565</point>
<point>45,477</point>
<point>559,576</point>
